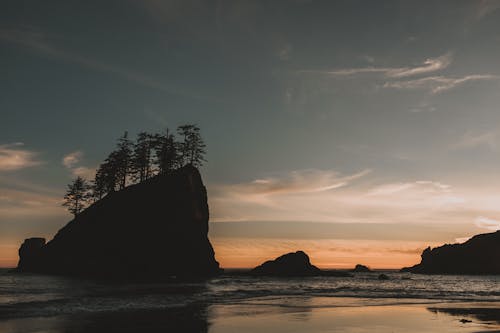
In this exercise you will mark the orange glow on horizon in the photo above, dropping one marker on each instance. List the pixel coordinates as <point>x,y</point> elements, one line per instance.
<point>328,254</point>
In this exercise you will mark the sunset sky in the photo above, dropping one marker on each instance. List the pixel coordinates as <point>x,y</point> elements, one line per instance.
<point>358,131</point>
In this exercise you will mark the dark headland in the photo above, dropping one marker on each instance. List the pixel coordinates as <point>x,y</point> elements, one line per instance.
<point>155,229</point>
<point>477,256</point>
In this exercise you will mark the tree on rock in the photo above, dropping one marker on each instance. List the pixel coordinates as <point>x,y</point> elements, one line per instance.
<point>192,148</point>
<point>123,157</point>
<point>167,155</point>
<point>77,196</point>
<point>141,164</point>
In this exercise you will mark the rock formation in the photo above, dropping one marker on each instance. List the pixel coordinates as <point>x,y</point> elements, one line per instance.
<point>290,264</point>
<point>479,255</point>
<point>155,229</point>
<point>29,254</point>
<point>361,269</point>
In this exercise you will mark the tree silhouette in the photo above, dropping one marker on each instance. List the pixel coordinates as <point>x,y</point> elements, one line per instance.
<point>167,156</point>
<point>141,166</point>
<point>192,148</point>
<point>77,196</point>
<point>121,159</point>
<point>136,161</point>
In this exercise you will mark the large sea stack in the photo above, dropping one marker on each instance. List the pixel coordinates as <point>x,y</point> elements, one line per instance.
<point>152,230</point>
<point>478,256</point>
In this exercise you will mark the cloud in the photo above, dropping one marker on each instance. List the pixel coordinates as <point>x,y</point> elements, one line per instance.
<point>487,223</point>
<point>469,140</point>
<point>13,157</point>
<point>71,159</point>
<point>428,66</point>
<point>15,204</point>
<point>437,84</point>
<point>330,197</point>
<point>486,7</point>
<point>300,181</point>
<point>84,172</point>
<point>423,186</point>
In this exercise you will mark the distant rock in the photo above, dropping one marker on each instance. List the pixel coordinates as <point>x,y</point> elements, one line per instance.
<point>152,230</point>
<point>361,269</point>
<point>383,277</point>
<point>30,254</point>
<point>479,255</point>
<point>290,264</point>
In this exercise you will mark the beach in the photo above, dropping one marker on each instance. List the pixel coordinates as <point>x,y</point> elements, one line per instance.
<point>286,315</point>
<point>241,303</point>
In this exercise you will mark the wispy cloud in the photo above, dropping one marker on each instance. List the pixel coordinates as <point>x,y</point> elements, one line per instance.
<point>14,157</point>
<point>473,140</point>
<point>486,7</point>
<point>16,204</point>
<point>84,172</point>
<point>71,161</point>
<point>351,199</point>
<point>428,66</point>
<point>300,181</point>
<point>423,186</point>
<point>437,84</point>
<point>487,223</point>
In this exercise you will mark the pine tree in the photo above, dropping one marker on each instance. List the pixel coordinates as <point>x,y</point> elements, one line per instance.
<point>141,165</point>
<point>77,196</point>
<point>122,158</point>
<point>167,156</point>
<point>192,148</point>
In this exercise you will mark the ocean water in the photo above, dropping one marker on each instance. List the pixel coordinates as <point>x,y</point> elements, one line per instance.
<point>30,295</point>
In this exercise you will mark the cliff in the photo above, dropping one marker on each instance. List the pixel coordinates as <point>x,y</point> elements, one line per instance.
<point>479,255</point>
<point>154,229</point>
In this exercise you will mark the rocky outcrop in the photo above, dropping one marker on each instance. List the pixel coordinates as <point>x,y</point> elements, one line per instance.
<point>154,229</point>
<point>290,264</point>
<point>30,254</point>
<point>479,255</point>
<point>361,269</point>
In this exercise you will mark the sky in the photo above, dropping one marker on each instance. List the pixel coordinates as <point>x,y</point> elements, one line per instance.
<point>357,131</point>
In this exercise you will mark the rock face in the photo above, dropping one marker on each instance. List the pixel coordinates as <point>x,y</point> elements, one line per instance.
<point>479,255</point>
<point>290,264</point>
<point>361,269</point>
<point>154,229</point>
<point>29,254</point>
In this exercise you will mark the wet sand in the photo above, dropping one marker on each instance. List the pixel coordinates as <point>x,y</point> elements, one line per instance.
<point>279,315</point>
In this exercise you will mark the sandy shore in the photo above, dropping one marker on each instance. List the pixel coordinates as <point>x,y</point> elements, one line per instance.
<point>279,315</point>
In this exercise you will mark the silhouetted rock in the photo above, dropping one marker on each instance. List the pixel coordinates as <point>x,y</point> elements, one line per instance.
<point>383,277</point>
<point>290,264</point>
<point>29,254</point>
<point>155,229</point>
<point>361,269</point>
<point>479,255</point>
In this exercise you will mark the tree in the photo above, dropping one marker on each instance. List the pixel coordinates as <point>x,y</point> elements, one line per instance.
<point>167,155</point>
<point>141,166</point>
<point>77,196</point>
<point>192,148</point>
<point>121,160</point>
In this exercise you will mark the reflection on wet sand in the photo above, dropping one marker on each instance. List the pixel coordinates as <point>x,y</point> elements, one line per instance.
<point>283,316</point>
<point>276,315</point>
<point>486,313</point>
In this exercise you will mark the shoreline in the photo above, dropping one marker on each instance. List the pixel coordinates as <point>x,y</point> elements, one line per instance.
<point>279,314</point>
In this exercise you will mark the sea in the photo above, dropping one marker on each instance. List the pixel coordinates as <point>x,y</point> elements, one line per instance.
<point>41,303</point>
